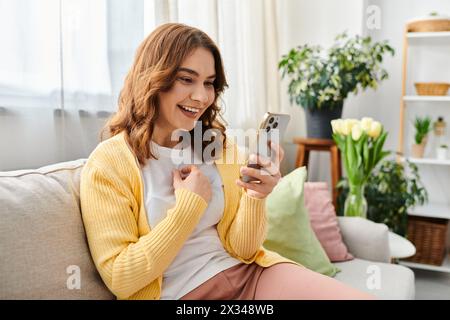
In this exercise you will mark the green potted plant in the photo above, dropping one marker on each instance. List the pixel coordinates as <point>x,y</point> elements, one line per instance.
<point>390,191</point>
<point>422,127</point>
<point>320,82</point>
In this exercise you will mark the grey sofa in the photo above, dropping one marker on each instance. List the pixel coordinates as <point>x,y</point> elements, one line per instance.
<point>44,253</point>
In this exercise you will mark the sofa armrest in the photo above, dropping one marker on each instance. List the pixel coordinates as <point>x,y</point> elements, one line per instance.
<point>365,239</point>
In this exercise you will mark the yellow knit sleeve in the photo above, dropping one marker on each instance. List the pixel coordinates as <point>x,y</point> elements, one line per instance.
<point>126,261</point>
<point>248,230</point>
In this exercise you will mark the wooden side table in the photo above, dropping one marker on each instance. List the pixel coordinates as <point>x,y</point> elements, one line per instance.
<point>305,145</point>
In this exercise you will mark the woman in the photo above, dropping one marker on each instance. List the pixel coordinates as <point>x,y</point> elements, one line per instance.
<point>159,230</point>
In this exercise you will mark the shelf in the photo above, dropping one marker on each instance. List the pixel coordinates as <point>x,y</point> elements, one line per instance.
<point>445,267</point>
<point>434,41</point>
<point>428,35</point>
<point>431,161</point>
<point>429,38</point>
<point>426,98</point>
<point>431,210</point>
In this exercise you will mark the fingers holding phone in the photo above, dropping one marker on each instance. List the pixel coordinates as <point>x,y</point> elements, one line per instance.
<point>265,174</point>
<point>272,164</point>
<point>277,151</point>
<point>263,170</point>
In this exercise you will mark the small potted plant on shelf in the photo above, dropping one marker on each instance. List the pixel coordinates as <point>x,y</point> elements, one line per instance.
<point>422,127</point>
<point>441,152</point>
<point>321,81</point>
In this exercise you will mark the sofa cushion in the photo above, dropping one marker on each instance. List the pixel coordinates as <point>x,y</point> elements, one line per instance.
<point>383,280</point>
<point>365,239</point>
<point>43,248</point>
<point>289,230</point>
<point>324,221</point>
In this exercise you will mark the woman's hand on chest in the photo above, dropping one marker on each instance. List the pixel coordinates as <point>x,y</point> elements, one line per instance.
<point>193,179</point>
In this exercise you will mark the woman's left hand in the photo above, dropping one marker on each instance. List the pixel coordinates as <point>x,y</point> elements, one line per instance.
<point>268,175</point>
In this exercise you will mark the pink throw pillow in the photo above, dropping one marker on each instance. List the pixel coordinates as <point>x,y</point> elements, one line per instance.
<point>324,221</point>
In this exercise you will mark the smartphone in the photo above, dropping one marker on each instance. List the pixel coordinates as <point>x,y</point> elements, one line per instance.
<point>272,128</point>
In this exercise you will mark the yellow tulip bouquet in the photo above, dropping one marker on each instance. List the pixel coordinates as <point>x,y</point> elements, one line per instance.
<point>361,145</point>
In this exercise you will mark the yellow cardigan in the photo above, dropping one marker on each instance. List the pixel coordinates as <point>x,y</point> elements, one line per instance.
<point>130,257</point>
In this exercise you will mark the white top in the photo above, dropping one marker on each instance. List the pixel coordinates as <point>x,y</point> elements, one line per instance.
<point>203,255</point>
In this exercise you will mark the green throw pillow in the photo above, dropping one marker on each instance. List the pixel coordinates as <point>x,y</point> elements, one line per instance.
<point>289,230</point>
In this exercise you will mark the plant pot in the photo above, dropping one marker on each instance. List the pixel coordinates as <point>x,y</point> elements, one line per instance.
<point>318,121</point>
<point>418,150</point>
<point>441,153</point>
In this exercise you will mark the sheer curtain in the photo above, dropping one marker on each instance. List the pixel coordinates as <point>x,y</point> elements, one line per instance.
<point>246,33</point>
<point>29,33</point>
<point>74,54</point>
<point>248,38</point>
<point>84,54</point>
<point>68,54</point>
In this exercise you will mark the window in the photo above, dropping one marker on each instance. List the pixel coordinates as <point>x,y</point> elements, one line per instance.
<point>69,54</point>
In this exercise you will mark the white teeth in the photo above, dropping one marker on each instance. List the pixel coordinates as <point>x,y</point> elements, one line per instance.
<point>189,109</point>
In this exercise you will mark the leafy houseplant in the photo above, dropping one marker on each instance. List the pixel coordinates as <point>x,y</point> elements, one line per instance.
<point>320,82</point>
<point>422,127</point>
<point>361,144</point>
<point>390,192</point>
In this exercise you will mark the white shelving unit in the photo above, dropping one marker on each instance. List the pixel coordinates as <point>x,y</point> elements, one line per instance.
<point>430,210</point>
<point>431,161</point>
<point>428,35</point>
<point>427,99</point>
<point>445,267</point>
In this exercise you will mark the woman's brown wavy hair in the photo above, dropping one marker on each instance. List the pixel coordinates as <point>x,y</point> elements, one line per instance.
<point>154,70</point>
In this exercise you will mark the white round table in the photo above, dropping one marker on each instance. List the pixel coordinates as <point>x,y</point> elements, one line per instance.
<point>400,247</point>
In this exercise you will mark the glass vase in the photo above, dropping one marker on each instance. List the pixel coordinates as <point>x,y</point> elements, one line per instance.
<point>356,204</point>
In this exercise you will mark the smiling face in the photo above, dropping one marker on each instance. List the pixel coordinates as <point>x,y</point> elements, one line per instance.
<point>191,94</point>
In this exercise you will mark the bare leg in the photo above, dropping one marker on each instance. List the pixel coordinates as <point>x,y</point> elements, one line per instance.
<point>287,281</point>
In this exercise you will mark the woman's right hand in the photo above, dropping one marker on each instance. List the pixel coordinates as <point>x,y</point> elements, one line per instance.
<point>194,180</point>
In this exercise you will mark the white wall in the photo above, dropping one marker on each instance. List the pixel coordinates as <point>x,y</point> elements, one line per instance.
<point>309,22</point>
<point>427,61</point>
<point>314,22</point>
